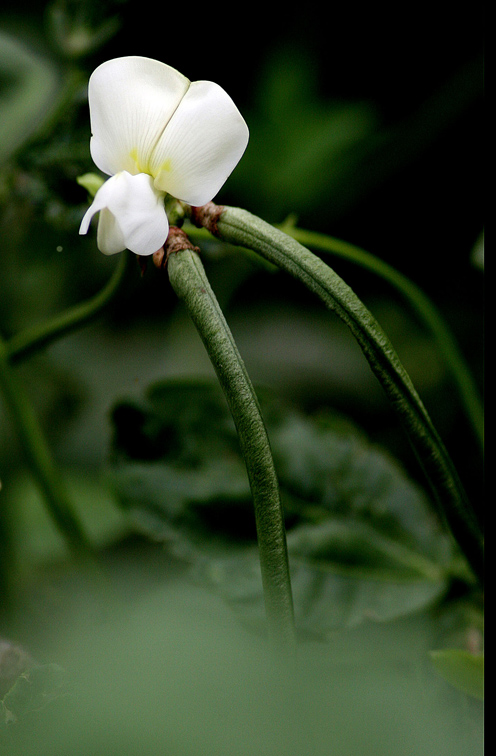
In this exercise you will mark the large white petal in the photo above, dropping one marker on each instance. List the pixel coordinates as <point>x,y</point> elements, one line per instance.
<point>201,145</point>
<point>132,215</point>
<point>131,101</point>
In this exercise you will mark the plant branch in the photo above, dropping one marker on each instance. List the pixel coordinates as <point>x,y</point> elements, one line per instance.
<point>190,283</point>
<point>30,341</point>
<point>39,458</point>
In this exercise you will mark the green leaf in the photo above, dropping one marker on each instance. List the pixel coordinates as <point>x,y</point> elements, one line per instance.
<point>304,146</point>
<point>356,548</point>
<point>32,691</point>
<point>177,467</point>
<point>14,661</point>
<point>163,668</point>
<point>332,465</point>
<point>363,540</point>
<point>325,601</point>
<point>463,670</point>
<point>35,537</point>
<point>309,151</point>
<point>29,85</point>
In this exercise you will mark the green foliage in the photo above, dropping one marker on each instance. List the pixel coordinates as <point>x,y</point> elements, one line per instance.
<point>29,85</point>
<point>363,540</point>
<point>32,691</point>
<point>464,670</point>
<point>302,147</point>
<point>159,666</point>
<point>35,538</point>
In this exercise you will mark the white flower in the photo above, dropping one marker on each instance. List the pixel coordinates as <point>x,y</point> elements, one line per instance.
<point>156,133</point>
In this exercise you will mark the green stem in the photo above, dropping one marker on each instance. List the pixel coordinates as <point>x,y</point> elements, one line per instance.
<point>28,342</point>
<point>422,306</point>
<point>239,227</point>
<point>31,436</point>
<point>38,456</point>
<point>190,283</point>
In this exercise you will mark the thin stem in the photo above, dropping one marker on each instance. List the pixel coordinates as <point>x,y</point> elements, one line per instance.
<point>37,453</point>
<point>422,306</point>
<point>237,226</point>
<point>190,283</point>
<point>33,339</point>
<point>38,456</point>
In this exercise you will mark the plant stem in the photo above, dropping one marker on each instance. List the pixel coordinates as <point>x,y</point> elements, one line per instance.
<point>190,283</point>
<point>38,456</point>
<point>422,306</point>
<point>237,226</point>
<point>33,339</point>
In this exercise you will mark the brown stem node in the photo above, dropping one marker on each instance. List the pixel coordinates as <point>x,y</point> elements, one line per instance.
<point>176,240</point>
<point>207,216</point>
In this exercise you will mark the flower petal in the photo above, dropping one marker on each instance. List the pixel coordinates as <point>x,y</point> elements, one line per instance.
<point>132,215</point>
<point>109,237</point>
<point>102,198</point>
<point>201,145</point>
<point>131,101</point>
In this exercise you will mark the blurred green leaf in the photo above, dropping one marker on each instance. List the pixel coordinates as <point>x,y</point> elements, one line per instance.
<point>301,146</point>
<point>355,548</point>
<point>326,597</point>
<point>36,539</point>
<point>14,661</point>
<point>308,152</point>
<point>168,671</point>
<point>177,466</point>
<point>363,540</point>
<point>29,84</point>
<point>326,461</point>
<point>74,27</point>
<point>32,691</point>
<point>465,671</point>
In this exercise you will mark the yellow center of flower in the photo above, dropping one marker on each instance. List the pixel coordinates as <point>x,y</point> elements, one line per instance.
<point>145,168</point>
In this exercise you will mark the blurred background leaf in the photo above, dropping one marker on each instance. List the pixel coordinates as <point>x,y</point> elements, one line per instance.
<point>363,541</point>
<point>29,85</point>
<point>32,691</point>
<point>465,671</point>
<point>161,666</point>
